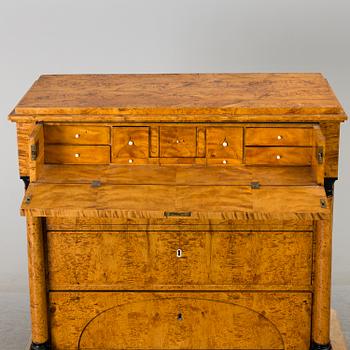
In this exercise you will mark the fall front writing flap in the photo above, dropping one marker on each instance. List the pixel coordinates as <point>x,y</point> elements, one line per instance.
<point>160,201</point>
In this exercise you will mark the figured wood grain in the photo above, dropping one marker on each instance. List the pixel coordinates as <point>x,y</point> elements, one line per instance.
<point>77,134</point>
<point>177,141</point>
<point>225,143</point>
<point>37,281</point>
<point>322,282</point>
<point>147,260</point>
<point>278,155</point>
<point>264,93</point>
<point>130,142</point>
<point>210,320</point>
<point>278,137</point>
<point>36,152</point>
<point>181,175</point>
<point>174,224</point>
<point>153,201</point>
<point>23,132</point>
<point>67,154</point>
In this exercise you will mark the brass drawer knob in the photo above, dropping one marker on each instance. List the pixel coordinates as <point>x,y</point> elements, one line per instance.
<point>179,253</point>
<point>225,144</point>
<point>77,155</point>
<point>279,137</point>
<point>224,161</point>
<point>131,142</point>
<point>130,161</point>
<point>77,136</point>
<point>178,141</point>
<point>278,157</point>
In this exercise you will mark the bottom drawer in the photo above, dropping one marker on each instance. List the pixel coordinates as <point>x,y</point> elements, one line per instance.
<point>200,320</point>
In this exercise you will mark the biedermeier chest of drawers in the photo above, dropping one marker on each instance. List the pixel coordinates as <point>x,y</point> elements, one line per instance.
<point>179,211</point>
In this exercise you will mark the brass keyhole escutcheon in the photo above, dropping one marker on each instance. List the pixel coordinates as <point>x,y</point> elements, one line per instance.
<point>179,316</point>
<point>179,253</point>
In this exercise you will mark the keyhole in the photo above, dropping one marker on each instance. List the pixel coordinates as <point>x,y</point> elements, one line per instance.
<point>179,316</point>
<point>179,253</point>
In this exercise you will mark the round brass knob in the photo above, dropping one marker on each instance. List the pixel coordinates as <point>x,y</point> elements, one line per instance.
<point>177,141</point>
<point>77,136</point>
<point>278,156</point>
<point>131,142</point>
<point>77,155</point>
<point>130,161</point>
<point>225,144</point>
<point>279,137</point>
<point>224,161</point>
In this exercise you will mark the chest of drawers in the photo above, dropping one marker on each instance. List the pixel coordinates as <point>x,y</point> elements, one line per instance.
<point>179,211</point>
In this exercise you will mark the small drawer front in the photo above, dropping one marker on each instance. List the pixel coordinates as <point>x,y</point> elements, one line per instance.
<point>278,137</point>
<point>182,320</point>
<point>77,134</point>
<point>177,142</point>
<point>130,143</point>
<point>59,154</point>
<point>278,155</point>
<point>224,144</point>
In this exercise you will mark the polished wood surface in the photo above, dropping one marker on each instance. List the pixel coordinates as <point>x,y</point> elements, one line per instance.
<point>263,93</point>
<point>216,320</point>
<point>155,201</point>
<point>150,260</point>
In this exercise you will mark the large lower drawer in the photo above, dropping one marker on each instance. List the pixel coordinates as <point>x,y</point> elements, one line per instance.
<point>172,259</point>
<point>107,320</point>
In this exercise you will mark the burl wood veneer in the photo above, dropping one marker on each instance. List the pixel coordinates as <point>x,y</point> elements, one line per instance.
<point>184,211</point>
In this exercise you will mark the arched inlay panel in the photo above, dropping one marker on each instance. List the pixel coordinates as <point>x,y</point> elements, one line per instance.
<point>180,323</point>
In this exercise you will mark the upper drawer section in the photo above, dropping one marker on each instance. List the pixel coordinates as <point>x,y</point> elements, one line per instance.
<point>77,134</point>
<point>177,141</point>
<point>278,137</point>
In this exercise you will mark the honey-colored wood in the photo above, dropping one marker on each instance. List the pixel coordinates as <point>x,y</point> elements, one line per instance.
<point>177,142</point>
<point>322,281</point>
<point>147,260</point>
<point>278,155</point>
<point>318,156</point>
<point>37,283</point>
<point>278,137</point>
<point>77,134</point>
<point>225,143</point>
<point>154,201</point>
<point>67,154</point>
<point>23,132</point>
<point>217,320</point>
<point>234,94</point>
<point>130,143</point>
<point>36,151</point>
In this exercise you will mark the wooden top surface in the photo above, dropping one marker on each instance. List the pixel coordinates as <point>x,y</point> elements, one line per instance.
<point>190,94</point>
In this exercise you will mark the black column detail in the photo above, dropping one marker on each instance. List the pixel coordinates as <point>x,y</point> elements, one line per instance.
<point>26,181</point>
<point>315,346</point>
<point>329,185</point>
<point>43,346</point>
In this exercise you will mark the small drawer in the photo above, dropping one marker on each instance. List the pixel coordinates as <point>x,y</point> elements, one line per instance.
<point>225,145</point>
<point>77,134</point>
<point>278,137</point>
<point>177,142</point>
<point>278,155</point>
<point>130,143</point>
<point>55,154</point>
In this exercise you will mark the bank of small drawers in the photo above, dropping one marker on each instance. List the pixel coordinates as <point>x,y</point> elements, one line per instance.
<point>212,145</point>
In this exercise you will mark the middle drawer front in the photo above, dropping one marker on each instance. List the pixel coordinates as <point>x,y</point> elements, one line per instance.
<point>143,260</point>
